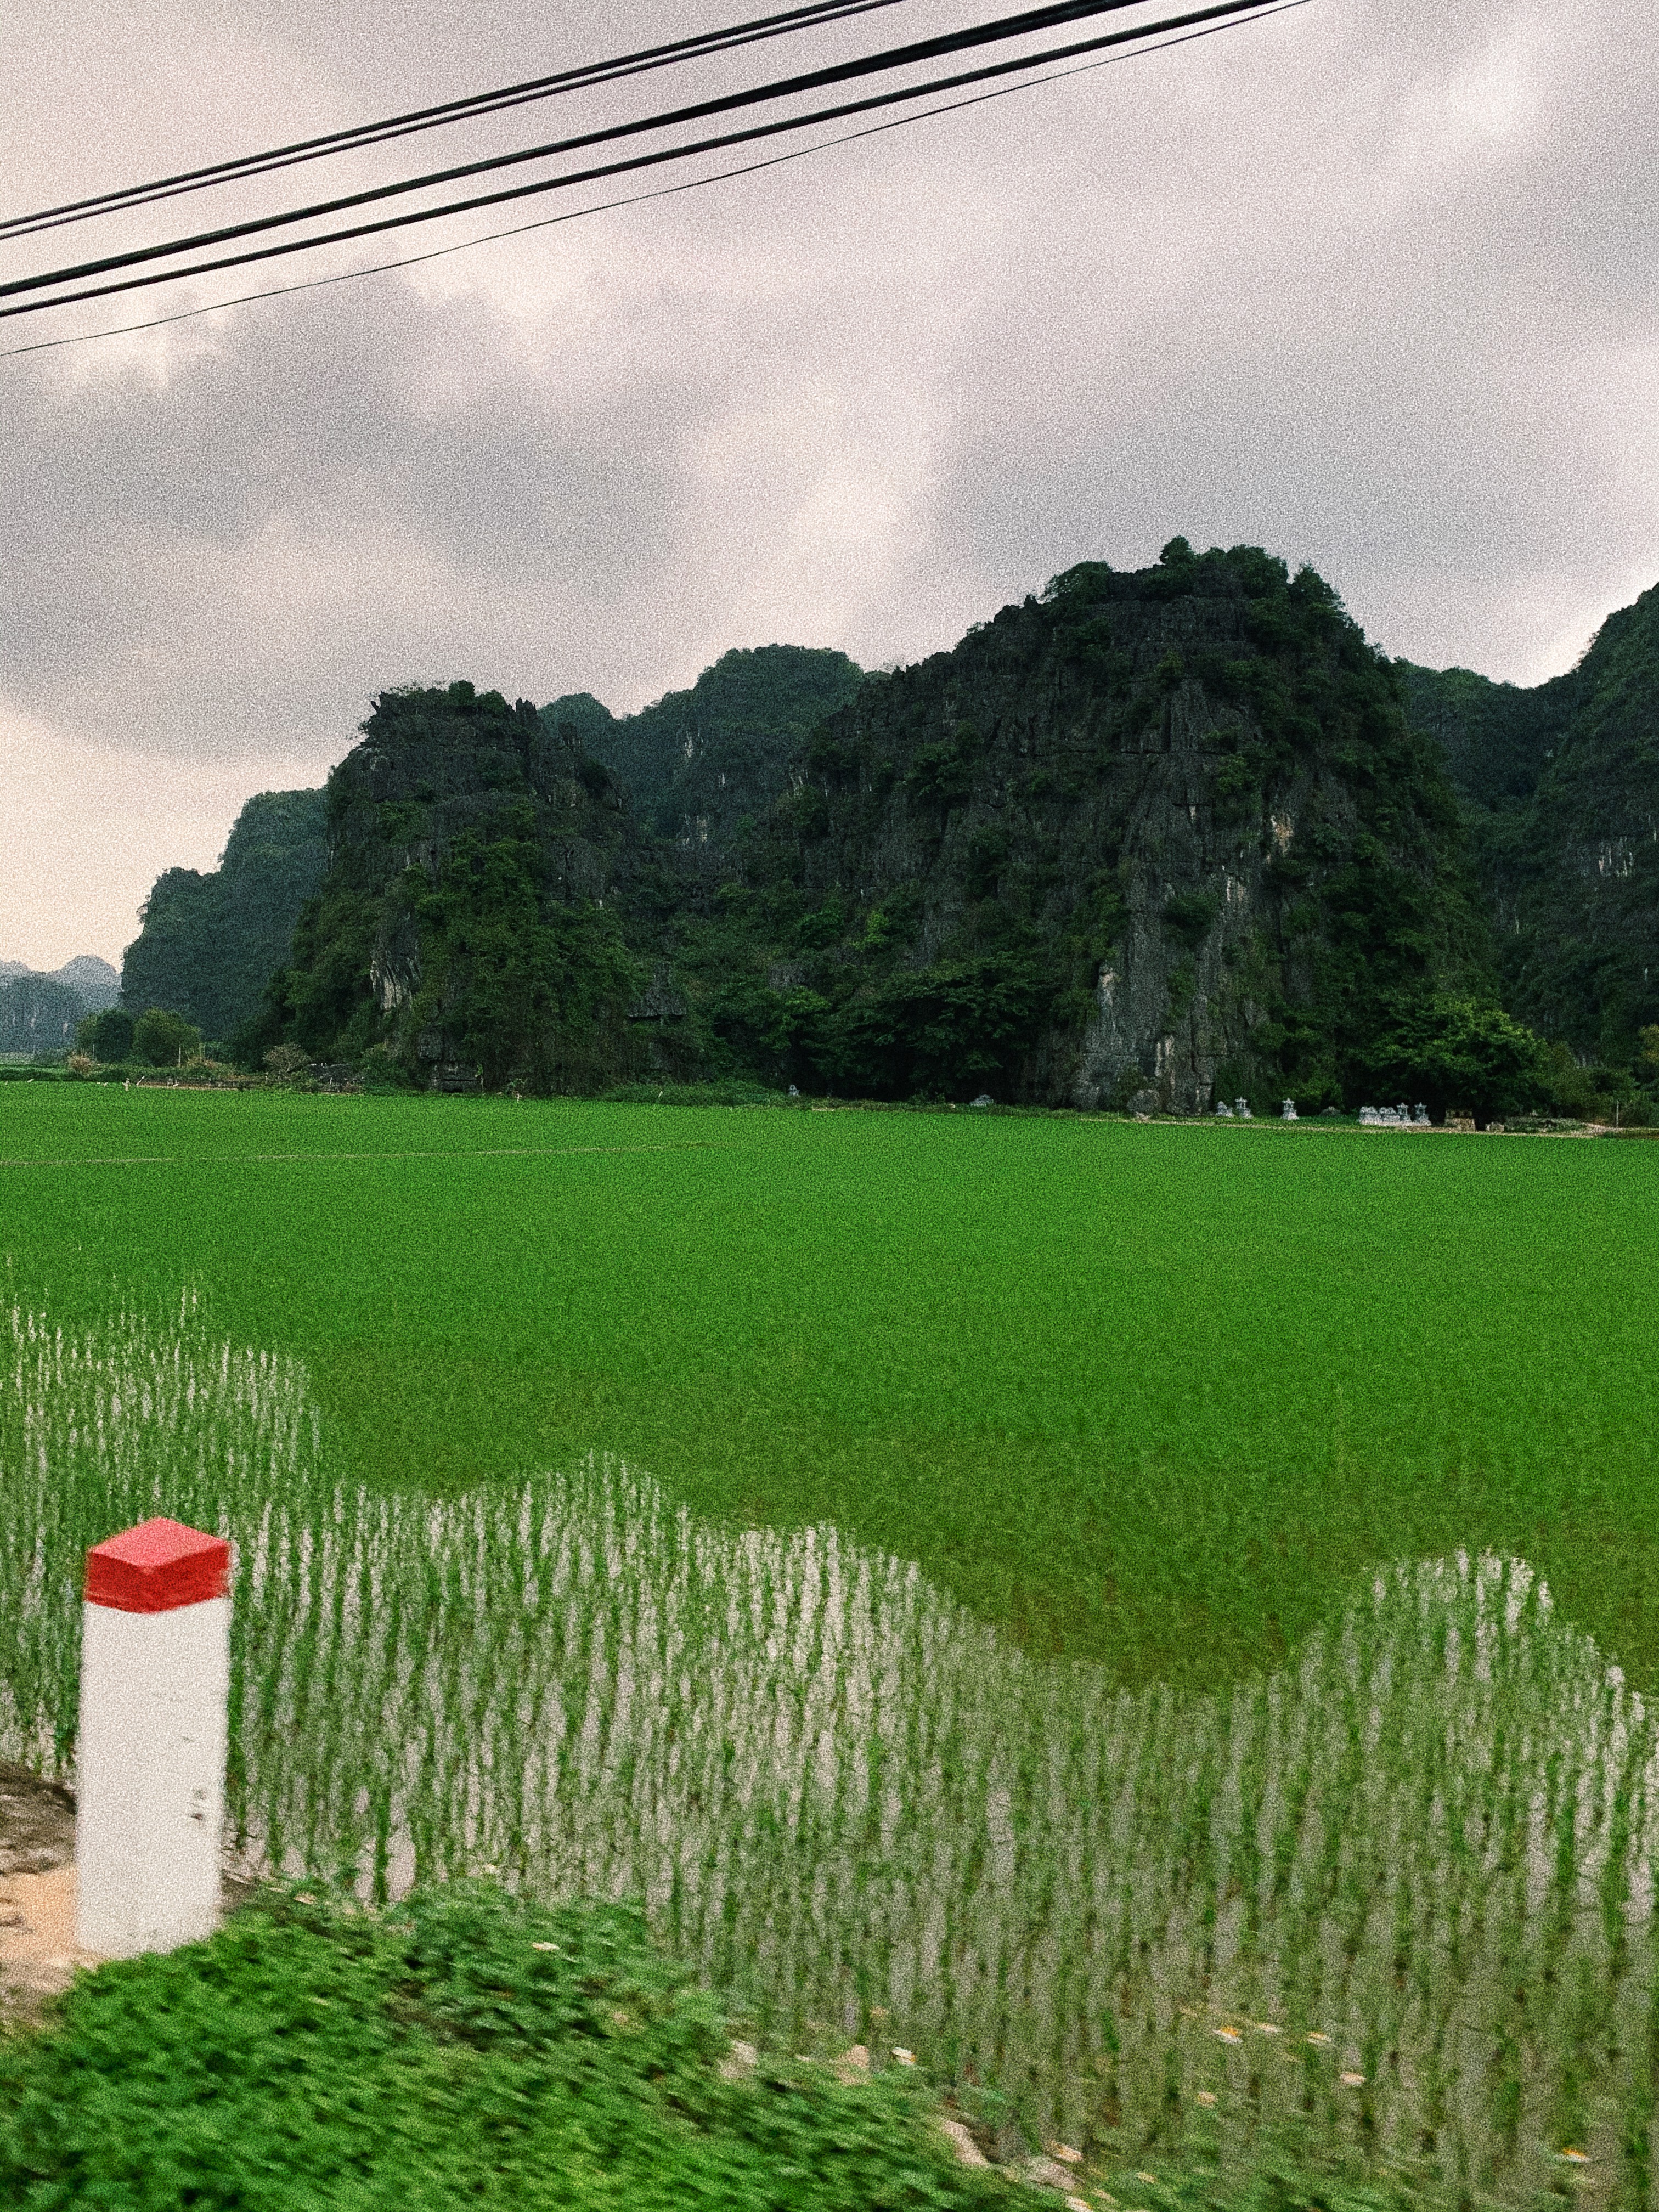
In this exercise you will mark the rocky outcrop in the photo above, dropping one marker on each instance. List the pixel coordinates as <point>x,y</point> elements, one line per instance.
<point>467,928</point>
<point>1151,839</point>
<point>38,1014</point>
<point>1183,803</point>
<point>697,763</point>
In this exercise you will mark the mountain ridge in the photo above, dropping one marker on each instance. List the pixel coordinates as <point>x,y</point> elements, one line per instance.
<point>41,1008</point>
<point>1260,854</point>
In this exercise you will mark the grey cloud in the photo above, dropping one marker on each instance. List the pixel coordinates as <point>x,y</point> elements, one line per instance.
<point>1403,385</point>
<point>1262,290</point>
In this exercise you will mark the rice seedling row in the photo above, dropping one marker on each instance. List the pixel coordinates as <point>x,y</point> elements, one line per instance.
<point>1391,1899</point>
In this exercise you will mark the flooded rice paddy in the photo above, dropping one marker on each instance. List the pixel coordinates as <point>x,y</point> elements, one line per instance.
<point>1394,1897</point>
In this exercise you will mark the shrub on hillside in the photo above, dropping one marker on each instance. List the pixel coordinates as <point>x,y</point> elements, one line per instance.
<point>1458,1055</point>
<point>164,1040</point>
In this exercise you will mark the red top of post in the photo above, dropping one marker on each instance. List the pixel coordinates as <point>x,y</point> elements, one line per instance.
<point>157,1566</point>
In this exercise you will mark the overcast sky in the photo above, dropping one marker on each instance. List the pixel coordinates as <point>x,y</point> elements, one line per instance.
<point>1373,285</point>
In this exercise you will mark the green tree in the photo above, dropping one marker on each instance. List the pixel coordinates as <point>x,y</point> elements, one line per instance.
<point>943,1031</point>
<point>107,1036</point>
<point>1459,1054</point>
<point>165,1039</point>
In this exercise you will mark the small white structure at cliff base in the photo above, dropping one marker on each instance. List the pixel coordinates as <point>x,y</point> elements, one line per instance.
<point>1395,1117</point>
<point>1287,1110</point>
<point>150,1762</point>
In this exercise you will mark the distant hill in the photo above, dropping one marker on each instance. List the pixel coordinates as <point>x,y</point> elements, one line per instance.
<point>1559,786</point>
<point>39,1011</point>
<point>38,1014</point>
<point>210,942</point>
<point>696,763</point>
<point>93,981</point>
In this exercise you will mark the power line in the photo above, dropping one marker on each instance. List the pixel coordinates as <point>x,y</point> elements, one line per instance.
<point>1069,10</point>
<point>638,199</point>
<point>1030,21</point>
<point>823,13</point>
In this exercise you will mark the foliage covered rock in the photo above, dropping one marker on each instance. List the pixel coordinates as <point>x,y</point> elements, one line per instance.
<point>1560,788</point>
<point>1172,830</point>
<point>469,919</point>
<point>209,944</point>
<point>1166,829</point>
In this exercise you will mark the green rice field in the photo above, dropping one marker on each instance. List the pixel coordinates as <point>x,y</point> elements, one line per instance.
<point>1158,1619</point>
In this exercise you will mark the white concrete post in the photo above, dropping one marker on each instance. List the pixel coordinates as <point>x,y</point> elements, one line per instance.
<point>150,1762</point>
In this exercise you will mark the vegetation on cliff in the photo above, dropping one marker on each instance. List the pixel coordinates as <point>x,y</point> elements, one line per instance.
<point>1163,831</point>
<point>468,923</point>
<point>209,943</point>
<point>1560,790</point>
<point>696,763</point>
<point>38,1014</point>
<point>1172,836</point>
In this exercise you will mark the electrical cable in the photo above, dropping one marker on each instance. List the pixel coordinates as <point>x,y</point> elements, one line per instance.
<point>797,19</point>
<point>998,32</point>
<point>638,199</point>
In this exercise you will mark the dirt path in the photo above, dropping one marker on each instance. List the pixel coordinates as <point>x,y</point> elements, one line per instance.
<point>38,1956</point>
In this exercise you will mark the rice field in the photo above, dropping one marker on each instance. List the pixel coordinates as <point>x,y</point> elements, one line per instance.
<point>1158,1621</point>
<point>1396,1897</point>
<point>1146,1395</point>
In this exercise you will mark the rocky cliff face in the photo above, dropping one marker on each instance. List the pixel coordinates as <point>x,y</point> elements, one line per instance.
<point>1182,805</point>
<point>38,1014</point>
<point>467,917</point>
<point>1162,833</point>
<point>94,981</point>
<point>1560,789</point>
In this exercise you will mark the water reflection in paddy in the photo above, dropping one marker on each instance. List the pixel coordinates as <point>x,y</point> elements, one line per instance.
<point>1397,1895</point>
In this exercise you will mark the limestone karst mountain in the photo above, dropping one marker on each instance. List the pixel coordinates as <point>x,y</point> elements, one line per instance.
<point>40,1009</point>
<point>471,918</point>
<point>696,763</point>
<point>38,1014</point>
<point>1165,830</point>
<point>1178,833</point>
<point>94,981</point>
